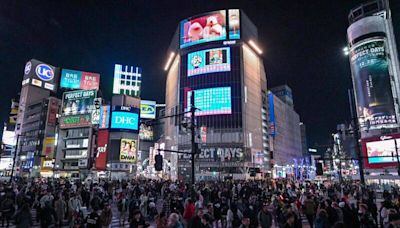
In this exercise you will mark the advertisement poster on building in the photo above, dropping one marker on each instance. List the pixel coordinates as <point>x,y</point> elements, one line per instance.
<point>78,102</point>
<point>201,29</point>
<point>145,132</point>
<point>374,98</point>
<point>209,61</point>
<point>128,151</point>
<point>125,118</point>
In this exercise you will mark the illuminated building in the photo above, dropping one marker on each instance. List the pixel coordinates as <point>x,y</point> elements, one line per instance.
<point>127,80</point>
<point>375,71</point>
<point>217,57</point>
<point>285,139</point>
<point>36,118</point>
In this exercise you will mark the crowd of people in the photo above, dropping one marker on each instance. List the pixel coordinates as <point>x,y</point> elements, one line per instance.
<point>213,204</point>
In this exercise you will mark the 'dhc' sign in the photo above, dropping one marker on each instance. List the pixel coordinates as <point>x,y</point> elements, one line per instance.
<point>124,120</point>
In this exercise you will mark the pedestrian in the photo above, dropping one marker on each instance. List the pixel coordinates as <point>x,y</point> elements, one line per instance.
<point>321,220</point>
<point>206,221</point>
<point>106,216</point>
<point>195,222</point>
<point>60,206</point>
<point>93,220</point>
<point>161,220</point>
<point>173,221</point>
<point>365,217</point>
<point>309,209</point>
<point>394,221</point>
<point>290,221</point>
<point>234,216</point>
<point>137,220</point>
<point>7,210</point>
<point>245,222</point>
<point>23,217</point>
<point>189,211</point>
<point>122,205</point>
<point>264,217</point>
<point>48,216</point>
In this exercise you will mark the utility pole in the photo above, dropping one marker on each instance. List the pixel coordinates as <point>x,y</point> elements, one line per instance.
<point>193,133</point>
<point>356,135</point>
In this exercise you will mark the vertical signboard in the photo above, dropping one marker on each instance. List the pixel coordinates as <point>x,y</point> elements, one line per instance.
<point>101,157</point>
<point>272,128</point>
<point>371,78</point>
<point>104,116</point>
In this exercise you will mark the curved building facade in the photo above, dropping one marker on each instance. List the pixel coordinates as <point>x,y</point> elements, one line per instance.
<point>215,58</point>
<point>375,73</point>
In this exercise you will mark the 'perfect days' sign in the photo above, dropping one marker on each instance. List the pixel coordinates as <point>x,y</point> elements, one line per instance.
<point>217,154</point>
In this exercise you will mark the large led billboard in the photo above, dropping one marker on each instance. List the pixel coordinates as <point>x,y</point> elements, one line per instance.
<point>201,29</point>
<point>128,151</point>
<point>369,64</point>
<point>73,79</point>
<point>381,151</point>
<point>234,24</point>
<point>41,74</point>
<point>125,118</point>
<point>78,102</point>
<point>147,109</point>
<point>210,101</point>
<point>209,61</point>
<point>127,80</point>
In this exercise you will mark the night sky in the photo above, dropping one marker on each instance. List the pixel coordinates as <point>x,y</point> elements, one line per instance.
<point>302,42</point>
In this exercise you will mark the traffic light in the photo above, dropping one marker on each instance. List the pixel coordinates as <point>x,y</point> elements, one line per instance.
<point>158,166</point>
<point>319,169</point>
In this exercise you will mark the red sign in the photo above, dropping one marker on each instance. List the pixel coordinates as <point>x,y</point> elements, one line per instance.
<point>90,81</point>
<point>52,114</point>
<point>381,151</point>
<point>102,143</point>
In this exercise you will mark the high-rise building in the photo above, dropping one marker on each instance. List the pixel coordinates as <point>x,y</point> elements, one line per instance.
<point>39,84</point>
<point>287,148</point>
<point>375,72</point>
<point>216,59</point>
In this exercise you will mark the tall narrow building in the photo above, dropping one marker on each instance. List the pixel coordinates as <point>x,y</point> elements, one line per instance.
<point>216,58</point>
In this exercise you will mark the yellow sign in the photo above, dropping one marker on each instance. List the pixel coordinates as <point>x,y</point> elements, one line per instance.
<point>48,147</point>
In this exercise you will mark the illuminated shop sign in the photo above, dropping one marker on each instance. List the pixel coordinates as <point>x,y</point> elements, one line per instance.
<point>73,79</point>
<point>75,121</point>
<point>147,109</point>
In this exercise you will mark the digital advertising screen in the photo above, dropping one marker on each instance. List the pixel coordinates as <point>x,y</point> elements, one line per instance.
<point>209,61</point>
<point>125,118</point>
<point>234,24</point>
<point>78,102</point>
<point>374,98</point>
<point>211,101</point>
<point>147,109</point>
<point>381,151</point>
<point>201,29</point>
<point>128,151</point>
<point>73,79</point>
<point>127,80</point>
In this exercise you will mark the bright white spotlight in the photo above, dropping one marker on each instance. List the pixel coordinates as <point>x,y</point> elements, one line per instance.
<point>255,47</point>
<point>171,56</point>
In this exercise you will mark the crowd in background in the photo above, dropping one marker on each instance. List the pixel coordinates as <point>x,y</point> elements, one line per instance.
<point>228,203</point>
